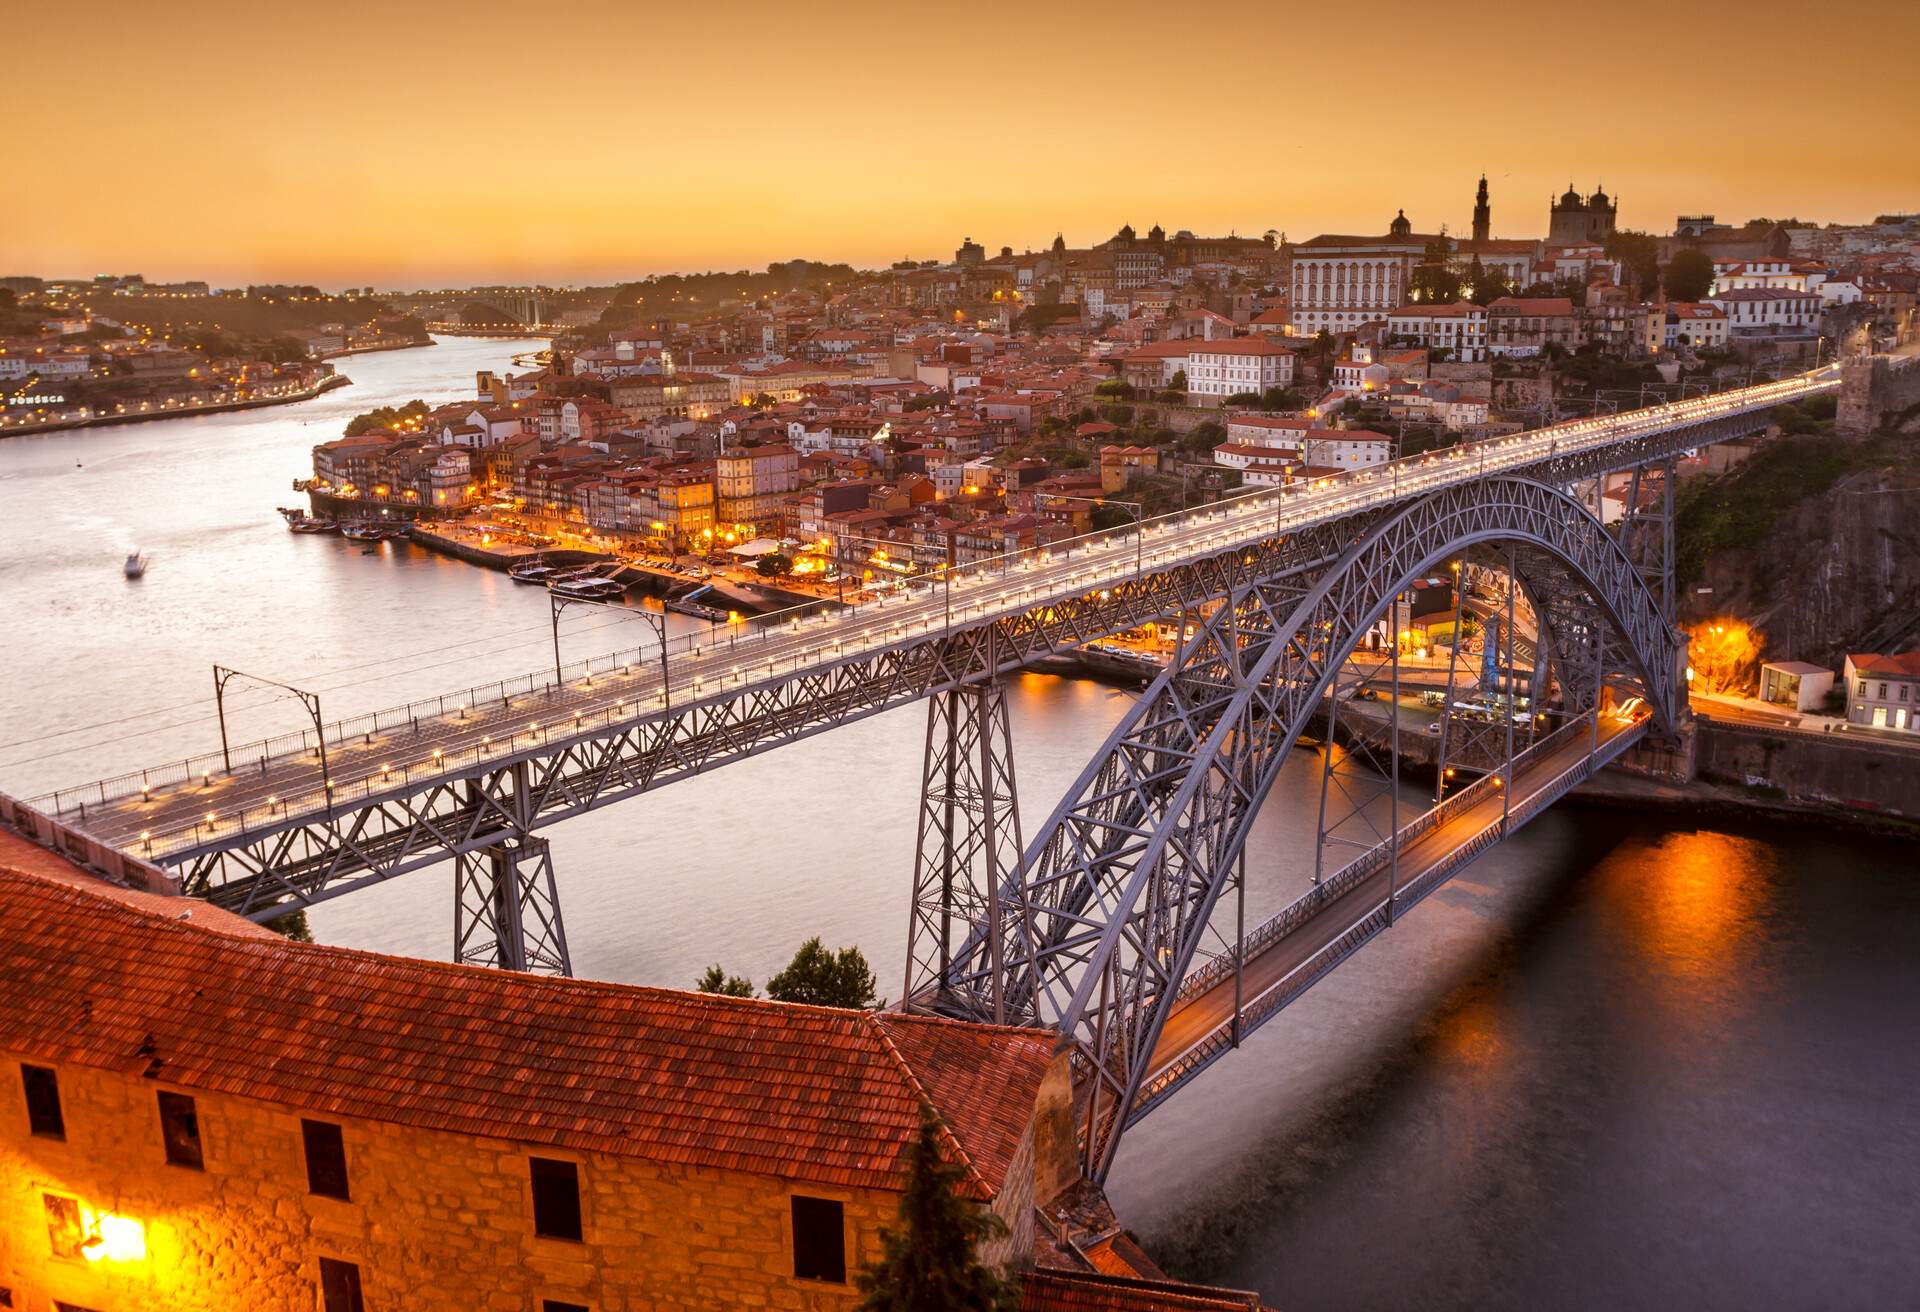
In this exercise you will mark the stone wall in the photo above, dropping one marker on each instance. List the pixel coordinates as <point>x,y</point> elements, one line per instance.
<point>1874,390</point>
<point>437,1221</point>
<point>1845,770</point>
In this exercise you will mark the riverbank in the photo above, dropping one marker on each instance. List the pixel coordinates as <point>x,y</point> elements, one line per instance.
<point>326,384</point>
<point>1619,788</point>
<point>425,340</point>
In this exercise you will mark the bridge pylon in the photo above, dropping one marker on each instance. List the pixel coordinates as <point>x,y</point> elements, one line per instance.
<point>969,846</point>
<point>506,909</point>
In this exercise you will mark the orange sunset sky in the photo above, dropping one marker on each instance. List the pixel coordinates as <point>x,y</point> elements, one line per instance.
<point>405,144</point>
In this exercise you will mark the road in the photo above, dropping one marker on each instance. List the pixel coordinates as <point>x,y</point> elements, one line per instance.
<point>1205,1014</point>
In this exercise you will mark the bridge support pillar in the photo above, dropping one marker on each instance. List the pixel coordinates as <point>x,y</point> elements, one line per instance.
<point>969,846</point>
<point>506,909</point>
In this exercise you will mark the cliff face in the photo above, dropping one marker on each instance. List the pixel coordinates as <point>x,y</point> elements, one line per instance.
<point>1836,572</point>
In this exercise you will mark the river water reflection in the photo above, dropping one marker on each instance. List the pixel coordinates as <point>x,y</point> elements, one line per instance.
<point>1619,1062</point>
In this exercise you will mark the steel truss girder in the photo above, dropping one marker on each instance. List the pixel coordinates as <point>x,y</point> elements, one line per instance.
<point>314,858</point>
<point>1118,886</point>
<point>969,846</point>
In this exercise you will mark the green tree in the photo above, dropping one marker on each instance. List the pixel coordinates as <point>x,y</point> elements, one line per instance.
<point>716,980</point>
<point>773,565</point>
<point>1202,438</point>
<point>293,925</point>
<point>1640,252</point>
<point>1178,382</point>
<point>824,978</point>
<point>930,1261</point>
<point>1689,274</point>
<point>1323,348</point>
<point>1434,284</point>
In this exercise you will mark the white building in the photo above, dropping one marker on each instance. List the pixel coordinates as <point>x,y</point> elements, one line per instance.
<point>1460,328</point>
<point>1221,368</point>
<point>1340,283</point>
<point>1253,439</point>
<point>1703,326</point>
<point>1883,692</point>
<point>1753,311</point>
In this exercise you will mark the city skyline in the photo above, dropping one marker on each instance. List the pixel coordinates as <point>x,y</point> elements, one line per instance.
<point>665,146</point>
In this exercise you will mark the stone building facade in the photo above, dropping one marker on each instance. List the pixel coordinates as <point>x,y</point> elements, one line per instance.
<point>196,1115</point>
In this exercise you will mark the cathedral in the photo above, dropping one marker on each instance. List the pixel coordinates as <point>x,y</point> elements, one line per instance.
<point>1582,222</point>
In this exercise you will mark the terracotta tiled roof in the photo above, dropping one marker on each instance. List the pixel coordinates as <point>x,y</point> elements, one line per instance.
<point>807,1093</point>
<point>1066,1291</point>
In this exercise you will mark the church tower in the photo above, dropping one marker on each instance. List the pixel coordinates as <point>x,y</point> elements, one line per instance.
<point>1482,214</point>
<point>1401,226</point>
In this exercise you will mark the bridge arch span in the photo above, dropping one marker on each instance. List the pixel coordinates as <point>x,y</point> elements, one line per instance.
<point>1115,891</point>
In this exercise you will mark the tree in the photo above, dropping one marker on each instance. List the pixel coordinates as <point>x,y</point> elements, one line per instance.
<point>1323,348</point>
<point>1178,383</point>
<point>931,1262</point>
<point>1689,274</point>
<point>1723,655</point>
<point>1434,284</point>
<point>293,925</point>
<point>716,980</point>
<point>1640,252</point>
<point>773,565</point>
<point>1202,438</point>
<point>823,978</point>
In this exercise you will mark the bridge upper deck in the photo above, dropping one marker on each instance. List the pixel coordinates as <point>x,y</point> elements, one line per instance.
<point>170,812</point>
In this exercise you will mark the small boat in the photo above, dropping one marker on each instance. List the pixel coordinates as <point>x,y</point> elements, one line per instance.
<point>136,565</point>
<point>531,571</point>
<point>363,532</point>
<point>308,524</point>
<point>588,589</point>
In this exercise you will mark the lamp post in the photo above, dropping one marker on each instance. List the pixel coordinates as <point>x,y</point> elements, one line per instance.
<point>1139,524</point>
<point>558,604</point>
<point>311,700</point>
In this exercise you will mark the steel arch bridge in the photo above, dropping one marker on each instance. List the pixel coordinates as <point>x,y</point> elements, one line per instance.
<point>1099,923</point>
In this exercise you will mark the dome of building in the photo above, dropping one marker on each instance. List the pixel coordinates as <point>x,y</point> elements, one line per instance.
<point>1571,199</point>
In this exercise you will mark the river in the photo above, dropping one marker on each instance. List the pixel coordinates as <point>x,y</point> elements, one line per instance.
<point>1618,1062</point>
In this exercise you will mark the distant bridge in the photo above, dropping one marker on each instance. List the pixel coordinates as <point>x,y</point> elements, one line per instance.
<point>1101,925</point>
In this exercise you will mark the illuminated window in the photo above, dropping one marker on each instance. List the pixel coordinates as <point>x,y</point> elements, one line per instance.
<point>340,1286</point>
<point>180,1131</point>
<point>556,1198</point>
<point>43,1102</point>
<point>819,1239</point>
<point>326,1158</point>
<point>65,1231</point>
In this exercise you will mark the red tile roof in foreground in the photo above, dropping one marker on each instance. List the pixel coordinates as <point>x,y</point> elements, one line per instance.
<point>807,1093</point>
<point>1066,1291</point>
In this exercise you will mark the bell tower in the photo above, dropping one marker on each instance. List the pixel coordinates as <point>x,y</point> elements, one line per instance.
<point>1482,213</point>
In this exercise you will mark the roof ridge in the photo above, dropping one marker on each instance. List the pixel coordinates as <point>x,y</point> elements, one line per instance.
<point>927,1103</point>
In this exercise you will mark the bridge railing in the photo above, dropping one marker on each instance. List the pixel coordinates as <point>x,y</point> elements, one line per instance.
<point>1309,904</point>
<point>964,588</point>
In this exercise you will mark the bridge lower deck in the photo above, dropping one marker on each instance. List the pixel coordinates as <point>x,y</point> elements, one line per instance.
<point>1201,1026</point>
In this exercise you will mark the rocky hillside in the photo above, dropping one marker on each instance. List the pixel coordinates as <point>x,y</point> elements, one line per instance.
<point>1814,541</point>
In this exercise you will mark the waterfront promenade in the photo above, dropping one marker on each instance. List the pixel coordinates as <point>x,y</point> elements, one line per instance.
<point>247,399</point>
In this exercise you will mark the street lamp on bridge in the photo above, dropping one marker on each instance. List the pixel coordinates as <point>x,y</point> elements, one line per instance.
<point>557,604</point>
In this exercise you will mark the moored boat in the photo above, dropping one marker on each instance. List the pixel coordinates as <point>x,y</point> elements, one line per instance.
<point>136,564</point>
<point>594,588</point>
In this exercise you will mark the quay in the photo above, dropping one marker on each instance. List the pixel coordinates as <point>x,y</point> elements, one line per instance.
<point>167,410</point>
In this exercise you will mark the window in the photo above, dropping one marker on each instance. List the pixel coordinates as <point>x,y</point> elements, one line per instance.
<point>64,1231</point>
<point>326,1158</point>
<point>180,1130</point>
<point>819,1239</point>
<point>340,1286</point>
<point>556,1305</point>
<point>43,1102</point>
<point>556,1198</point>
